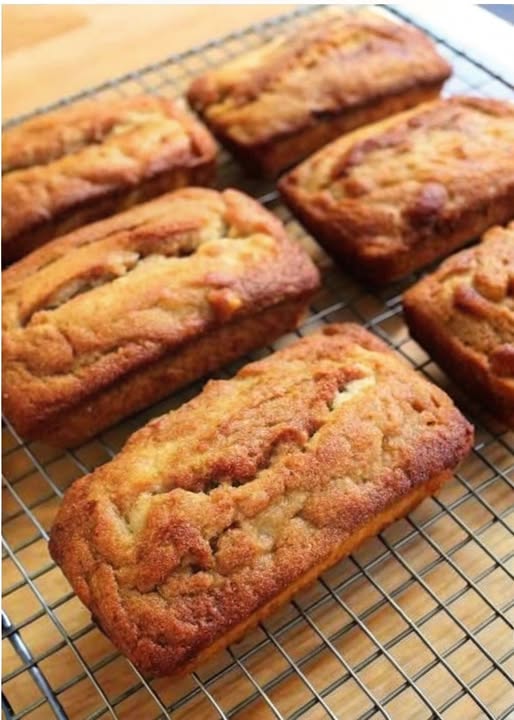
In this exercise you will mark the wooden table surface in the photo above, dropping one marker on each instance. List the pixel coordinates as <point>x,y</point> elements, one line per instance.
<point>52,51</point>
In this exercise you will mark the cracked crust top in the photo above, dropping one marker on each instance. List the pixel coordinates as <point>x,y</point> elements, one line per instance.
<point>393,184</point>
<point>212,510</point>
<point>89,308</point>
<point>63,159</point>
<point>470,297</point>
<point>332,63</point>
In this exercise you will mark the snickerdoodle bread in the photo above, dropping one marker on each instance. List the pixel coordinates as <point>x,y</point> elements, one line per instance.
<point>216,513</point>
<point>387,199</point>
<point>463,314</point>
<point>84,162</point>
<point>275,105</point>
<point>114,316</point>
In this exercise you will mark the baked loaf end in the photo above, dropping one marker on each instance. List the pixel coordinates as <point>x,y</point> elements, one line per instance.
<point>463,314</point>
<point>214,513</point>
<point>389,198</point>
<point>83,162</point>
<point>277,104</point>
<point>94,322</point>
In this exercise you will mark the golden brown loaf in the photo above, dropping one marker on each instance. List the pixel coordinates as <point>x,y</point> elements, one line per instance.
<point>463,314</point>
<point>213,514</point>
<point>277,104</point>
<point>69,167</point>
<point>389,198</point>
<point>116,315</point>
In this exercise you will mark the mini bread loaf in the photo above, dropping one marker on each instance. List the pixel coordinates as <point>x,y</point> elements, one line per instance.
<point>215,514</point>
<point>84,162</point>
<point>463,314</point>
<point>275,105</point>
<point>109,319</point>
<point>387,199</point>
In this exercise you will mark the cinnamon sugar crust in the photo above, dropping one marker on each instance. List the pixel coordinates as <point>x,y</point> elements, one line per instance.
<point>118,300</point>
<point>342,69</point>
<point>83,162</point>
<point>463,314</point>
<point>391,197</point>
<point>215,513</point>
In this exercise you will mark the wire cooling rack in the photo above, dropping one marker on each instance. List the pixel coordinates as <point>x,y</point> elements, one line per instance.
<point>416,624</point>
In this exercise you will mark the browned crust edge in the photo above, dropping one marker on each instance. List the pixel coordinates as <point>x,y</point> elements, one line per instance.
<point>72,426</point>
<point>459,361</point>
<point>388,266</point>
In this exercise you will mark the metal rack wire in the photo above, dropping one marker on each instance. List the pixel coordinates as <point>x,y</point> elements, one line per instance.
<point>416,624</point>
